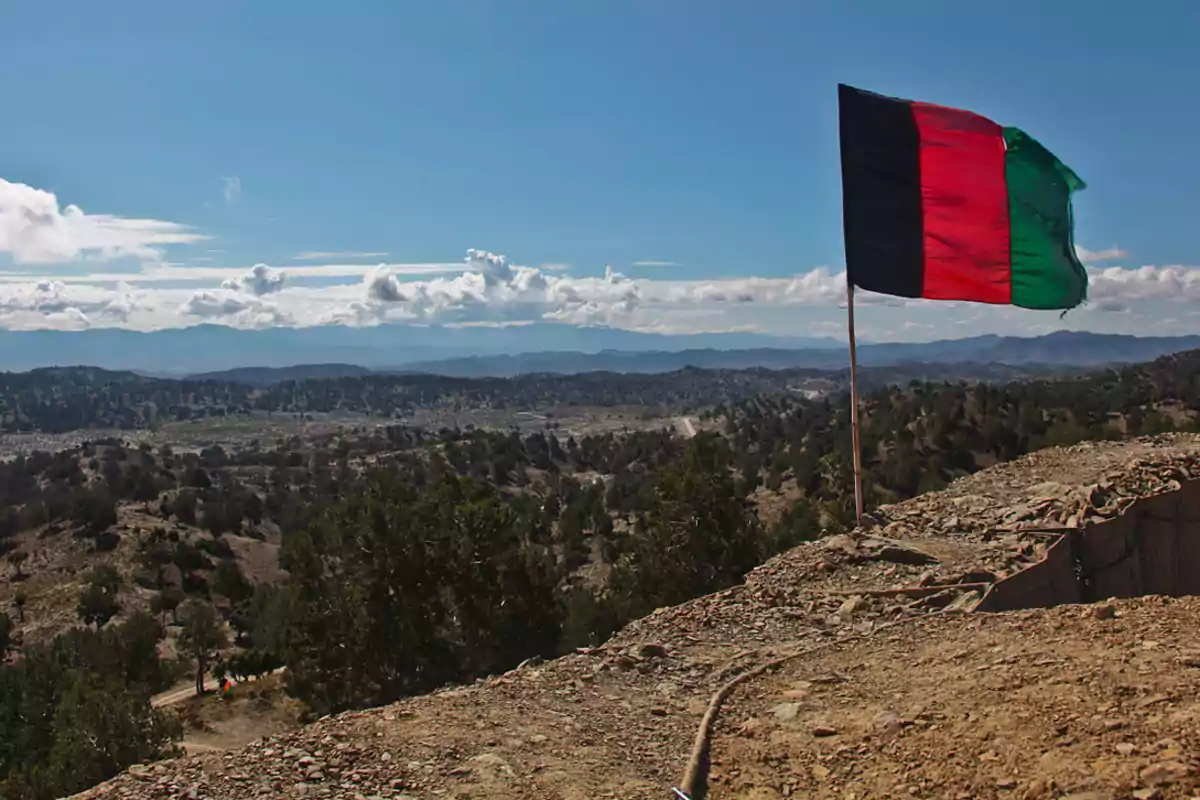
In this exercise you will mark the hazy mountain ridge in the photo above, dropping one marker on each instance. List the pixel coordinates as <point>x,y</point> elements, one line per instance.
<point>205,348</point>
<point>1040,355</point>
<point>337,351</point>
<point>1063,348</point>
<point>266,376</point>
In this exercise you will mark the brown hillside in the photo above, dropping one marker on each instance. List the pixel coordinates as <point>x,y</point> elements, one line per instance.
<point>894,693</point>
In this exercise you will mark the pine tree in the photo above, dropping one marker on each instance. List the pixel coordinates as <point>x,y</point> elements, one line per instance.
<point>697,535</point>
<point>100,728</point>
<point>202,636</point>
<point>98,602</point>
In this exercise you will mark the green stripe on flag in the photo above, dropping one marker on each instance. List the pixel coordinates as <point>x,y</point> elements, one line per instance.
<point>1046,272</point>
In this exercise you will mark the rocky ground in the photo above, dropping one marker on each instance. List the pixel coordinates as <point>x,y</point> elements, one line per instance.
<point>1082,702</point>
<point>901,693</point>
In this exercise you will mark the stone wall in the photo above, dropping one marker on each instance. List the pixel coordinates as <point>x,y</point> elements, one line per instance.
<point>1152,548</point>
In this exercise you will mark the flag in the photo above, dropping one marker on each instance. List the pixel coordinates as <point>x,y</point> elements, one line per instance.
<point>945,204</point>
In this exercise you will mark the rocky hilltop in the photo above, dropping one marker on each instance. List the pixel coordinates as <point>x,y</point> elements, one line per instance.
<point>849,667</point>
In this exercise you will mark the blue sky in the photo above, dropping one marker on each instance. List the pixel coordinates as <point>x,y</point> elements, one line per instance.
<point>694,132</point>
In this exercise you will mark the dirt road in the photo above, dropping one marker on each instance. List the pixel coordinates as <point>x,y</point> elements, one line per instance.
<point>178,694</point>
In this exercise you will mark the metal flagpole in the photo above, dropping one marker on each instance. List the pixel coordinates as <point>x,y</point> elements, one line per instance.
<point>858,492</point>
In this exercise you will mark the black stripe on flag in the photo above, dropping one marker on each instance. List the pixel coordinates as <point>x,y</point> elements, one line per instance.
<point>881,193</point>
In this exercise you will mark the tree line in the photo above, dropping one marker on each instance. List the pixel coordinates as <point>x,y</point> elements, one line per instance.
<point>59,399</point>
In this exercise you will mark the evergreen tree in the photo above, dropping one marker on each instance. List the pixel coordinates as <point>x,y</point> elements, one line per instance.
<point>697,536</point>
<point>100,728</point>
<point>202,636</point>
<point>76,710</point>
<point>98,602</point>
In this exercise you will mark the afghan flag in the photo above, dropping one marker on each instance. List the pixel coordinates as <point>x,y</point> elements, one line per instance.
<point>947,205</point>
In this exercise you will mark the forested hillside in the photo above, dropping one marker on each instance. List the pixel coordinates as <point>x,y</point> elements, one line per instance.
<point>72,398</point>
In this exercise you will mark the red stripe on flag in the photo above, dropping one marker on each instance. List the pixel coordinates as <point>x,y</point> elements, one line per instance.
<point>964,199</point>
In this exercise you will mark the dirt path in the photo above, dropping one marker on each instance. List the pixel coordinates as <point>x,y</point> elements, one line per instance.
<point>174,695</point>
<point>179,694</point>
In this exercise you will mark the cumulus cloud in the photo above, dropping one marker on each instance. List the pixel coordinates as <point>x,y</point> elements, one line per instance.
<point>34,229</point>
<point>53,304</point>
<point>1116,288</point>
<point>69,319</point>
<point>214,304</point>
<point>260,280</point>
<point>355,314</point>
<point>237,308</point>
<point>495,268</point>
<point>489,289</point>
<point>592,313</point>
<point>383,285</point>
<point>492,288</point>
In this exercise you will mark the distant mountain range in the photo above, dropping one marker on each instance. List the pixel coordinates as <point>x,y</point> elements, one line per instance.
<point>1057,350</point>
<point>204,348</point>
<point>1071,348</point>
<point>336,350</point>
<point>1062,349</point>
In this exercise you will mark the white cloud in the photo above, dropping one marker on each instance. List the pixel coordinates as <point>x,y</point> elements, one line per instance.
<point>512,323</point>
<point>231,189</point>
<point>35,230</point>
<point>260,280</point>
<point>353,313</point>
<point>52,304</point>
<point>318,255</point>
<point>495,268</point>
<point>69,319</point>
<point>187,273</point>
<point>487,289</point>
<point>491,288</point>
<point>1092,256</point>
<point>484,289</point>
<point>216,304</point>
<point>383,285</point>
<point>1116,288</point>
<point>236,308</point>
